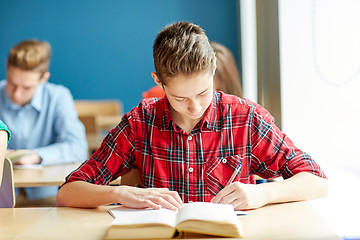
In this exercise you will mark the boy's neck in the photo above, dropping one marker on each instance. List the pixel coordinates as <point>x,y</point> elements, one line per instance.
<point>187,127</point>
<point>184,123</point>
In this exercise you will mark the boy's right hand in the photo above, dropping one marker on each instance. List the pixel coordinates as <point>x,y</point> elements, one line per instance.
<point>155,198</point>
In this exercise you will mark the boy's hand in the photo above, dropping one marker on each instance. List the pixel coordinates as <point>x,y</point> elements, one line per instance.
<point>155,198</point>
<point>242,196</point>
<point>29,159</point>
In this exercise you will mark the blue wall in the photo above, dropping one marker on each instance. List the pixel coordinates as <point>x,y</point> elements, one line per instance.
<point>103,49</point>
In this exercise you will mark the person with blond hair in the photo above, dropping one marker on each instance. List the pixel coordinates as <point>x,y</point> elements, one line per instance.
<point>194,144</point>
<point>40,115</point>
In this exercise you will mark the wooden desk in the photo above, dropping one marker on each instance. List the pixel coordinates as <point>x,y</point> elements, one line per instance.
<point>296,220</point>
<point>47,176</point>
<point>283,221</point>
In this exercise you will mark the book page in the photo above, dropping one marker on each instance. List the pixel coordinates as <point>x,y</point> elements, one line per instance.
<point>206,211</point>
<point>129,216</point>
<point>210,219</point>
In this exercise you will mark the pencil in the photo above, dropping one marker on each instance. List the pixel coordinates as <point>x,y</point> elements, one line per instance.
<point>234,174</point>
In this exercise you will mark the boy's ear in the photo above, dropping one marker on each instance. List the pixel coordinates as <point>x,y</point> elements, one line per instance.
<point>45,77</point>
<point>156,79</point>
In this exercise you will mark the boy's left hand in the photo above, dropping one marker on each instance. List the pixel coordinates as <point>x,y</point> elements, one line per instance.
<point>29,159</point>
<point>242,196</point>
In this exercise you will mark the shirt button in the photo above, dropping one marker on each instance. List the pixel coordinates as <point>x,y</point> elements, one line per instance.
<point>189,138</point>
<point>224,160</point>
<point>191,169</point>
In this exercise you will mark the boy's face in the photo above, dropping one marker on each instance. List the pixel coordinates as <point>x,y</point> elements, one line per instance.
<point>189,96</point>
<point>21,84</point>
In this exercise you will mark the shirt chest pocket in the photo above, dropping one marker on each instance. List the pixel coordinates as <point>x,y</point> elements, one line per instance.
<point>219,172</point>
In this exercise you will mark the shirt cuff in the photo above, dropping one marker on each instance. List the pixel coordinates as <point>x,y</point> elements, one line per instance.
<point>9,134</point>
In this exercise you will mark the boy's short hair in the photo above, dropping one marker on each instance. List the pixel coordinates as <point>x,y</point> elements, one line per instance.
<point>30,55</point>
<point>182,48</point>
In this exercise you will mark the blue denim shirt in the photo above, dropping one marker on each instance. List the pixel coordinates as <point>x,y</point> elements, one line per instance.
<point>48,125</point>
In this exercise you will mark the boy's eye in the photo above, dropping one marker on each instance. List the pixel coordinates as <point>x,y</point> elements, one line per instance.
<point>180,99</point>
<point>204,93</point>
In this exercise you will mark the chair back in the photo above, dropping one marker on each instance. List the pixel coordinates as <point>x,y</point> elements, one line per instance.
<point>7,192</point>
<point>98,107</point>
<point>98,115</point>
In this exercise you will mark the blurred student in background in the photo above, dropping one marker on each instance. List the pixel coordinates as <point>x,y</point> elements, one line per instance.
<point>40,115</point>
<point>4,140</point>
<point>226,78</point>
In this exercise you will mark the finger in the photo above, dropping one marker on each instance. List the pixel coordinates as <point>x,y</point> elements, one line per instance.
<point>150,204</point>
<point>20,162</point>
<point>239,204</point>
<point>174,202</point>
<point>229,198</point>
<point>166,201</point>
<point>224,192</point>
<point>23,160</point>
<point>177,198</point>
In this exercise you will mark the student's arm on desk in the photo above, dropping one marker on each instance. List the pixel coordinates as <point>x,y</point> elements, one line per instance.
<point>302,186</point>
<point>69,133</point>
<point>70,145</point>
<point>88,195</point>
<point>33,158</point>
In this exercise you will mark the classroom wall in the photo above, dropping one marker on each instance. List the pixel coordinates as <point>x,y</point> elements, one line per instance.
<point>103,49</point>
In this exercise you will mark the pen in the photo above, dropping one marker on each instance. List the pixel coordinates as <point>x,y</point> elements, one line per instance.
<point>234,174</point>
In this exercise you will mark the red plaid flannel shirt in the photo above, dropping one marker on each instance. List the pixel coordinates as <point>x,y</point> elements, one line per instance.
<point>198,165</point>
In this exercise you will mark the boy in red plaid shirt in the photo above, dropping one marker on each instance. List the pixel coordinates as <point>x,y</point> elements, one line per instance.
<point>195,144</point>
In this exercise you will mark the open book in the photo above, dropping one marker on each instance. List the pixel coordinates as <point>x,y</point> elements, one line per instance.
<point>198,218</point>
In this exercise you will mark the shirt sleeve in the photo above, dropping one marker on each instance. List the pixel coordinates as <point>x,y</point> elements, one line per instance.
<point>70,143</point>
<point>274,154</point>
<point>3,127</point>
<point>114,158</point>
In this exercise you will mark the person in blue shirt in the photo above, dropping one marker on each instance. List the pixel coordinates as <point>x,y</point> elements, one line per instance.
<point>40,115</point>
